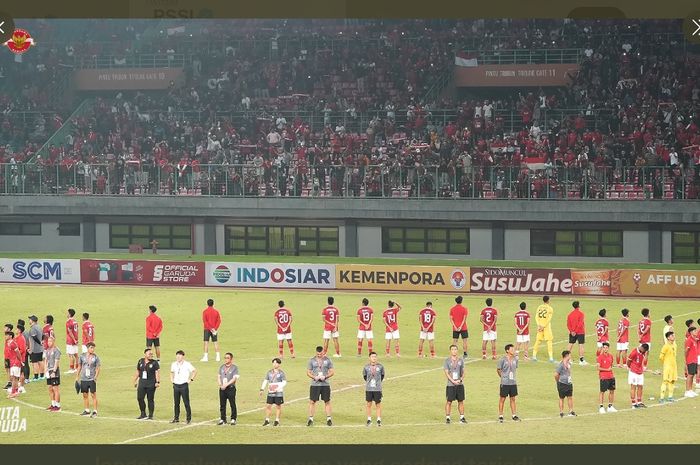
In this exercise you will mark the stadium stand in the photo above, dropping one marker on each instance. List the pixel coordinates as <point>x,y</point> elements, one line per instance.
<point>356,109</point>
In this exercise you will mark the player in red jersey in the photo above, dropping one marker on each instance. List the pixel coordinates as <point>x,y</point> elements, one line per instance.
<point>426,318</point>
<point>522,330</point>
<point>365,317</point>
<point>607,377</point>
<point>637,363</point>
<point>72,340</point>
<point>88,332</point>
<point>458,317</point>
<point>331,325</point>
<point>12,354</point>
<point>601,330</point>
<point>623,338</point>
<point>47,331</point>
<point>211,319</point>
<point>283,320</point>
<point>488,318</point>
<point>691,359</point>
<point>391,322</point>
<point>644,328</point>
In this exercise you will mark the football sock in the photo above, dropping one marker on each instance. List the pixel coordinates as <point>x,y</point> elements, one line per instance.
<point>280,346</point>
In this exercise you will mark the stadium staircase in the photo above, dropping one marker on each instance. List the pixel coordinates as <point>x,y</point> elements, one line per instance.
<point>59,137</point>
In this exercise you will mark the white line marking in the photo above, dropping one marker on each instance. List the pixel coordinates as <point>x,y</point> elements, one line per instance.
<point>78,414</point>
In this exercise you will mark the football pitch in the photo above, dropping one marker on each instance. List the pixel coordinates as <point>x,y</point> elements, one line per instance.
<point>414,390</point>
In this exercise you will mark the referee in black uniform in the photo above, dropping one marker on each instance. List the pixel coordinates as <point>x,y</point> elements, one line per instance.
<point>146,380</point>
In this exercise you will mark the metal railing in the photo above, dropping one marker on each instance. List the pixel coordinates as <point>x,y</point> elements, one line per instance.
<point>527,56</point>
<point>135,60</point>
<point>510,121</point>
<point>373,181</point>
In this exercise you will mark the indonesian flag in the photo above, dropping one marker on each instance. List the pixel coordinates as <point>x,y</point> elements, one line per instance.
<point>465,59</point>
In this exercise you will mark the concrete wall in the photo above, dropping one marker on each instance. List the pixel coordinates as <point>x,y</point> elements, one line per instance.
<point>498,229</point>
<point>48,241</point>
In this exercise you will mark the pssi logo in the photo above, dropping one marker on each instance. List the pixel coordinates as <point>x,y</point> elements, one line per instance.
<point>20,41</point>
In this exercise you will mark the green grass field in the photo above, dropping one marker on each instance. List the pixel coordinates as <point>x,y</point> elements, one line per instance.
<point>414,391</point>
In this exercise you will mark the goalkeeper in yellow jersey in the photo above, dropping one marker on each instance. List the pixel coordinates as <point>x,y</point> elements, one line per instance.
<point>543,317</point>
<point>670,369</point>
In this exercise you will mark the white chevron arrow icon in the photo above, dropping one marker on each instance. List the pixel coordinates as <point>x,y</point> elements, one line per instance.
<point>1,30</point>
<point>695,21</point>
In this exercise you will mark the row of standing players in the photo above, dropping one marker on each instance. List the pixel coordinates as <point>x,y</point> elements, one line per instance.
<point>87,365</point>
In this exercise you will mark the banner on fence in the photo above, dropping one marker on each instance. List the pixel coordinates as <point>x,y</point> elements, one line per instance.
<point>493,280</point>
<point>37,270</point>
<point>402,278</point>
<point>272,275</point>
<point>589,282</point>
<point>655,283</point>
<point>144,272</point>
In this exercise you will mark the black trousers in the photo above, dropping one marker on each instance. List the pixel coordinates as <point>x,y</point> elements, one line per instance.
<point>229,394</point>
<point>25,368</point>
<point>182,391</point>
<point>141,394</point>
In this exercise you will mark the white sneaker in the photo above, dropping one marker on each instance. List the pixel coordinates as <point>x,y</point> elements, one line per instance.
<point>218,357</point>
<point>21,389</point>
<point>612,409</point>
<point>69,372</point>
<point>689,394</point>
<point>204,359</point>
<point>336,355</point>
<point>601,410</point>
<point>693,394</point>
<point>583,363</point>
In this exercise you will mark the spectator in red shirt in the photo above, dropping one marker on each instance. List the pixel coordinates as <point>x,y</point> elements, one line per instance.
<point>577,330</point>
<point>154,326</point>
<point>212,320</point>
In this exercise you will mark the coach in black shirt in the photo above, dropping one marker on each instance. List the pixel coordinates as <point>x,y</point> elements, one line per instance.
<point>146,380</point>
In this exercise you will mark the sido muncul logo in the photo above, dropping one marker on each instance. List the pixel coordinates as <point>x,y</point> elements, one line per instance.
<point>222,274</point>
<point>10,420</point>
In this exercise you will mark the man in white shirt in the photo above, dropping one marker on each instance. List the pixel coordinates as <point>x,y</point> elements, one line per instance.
<point>488,110</point>
<point>673,158</point>
<point>182,373</point>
